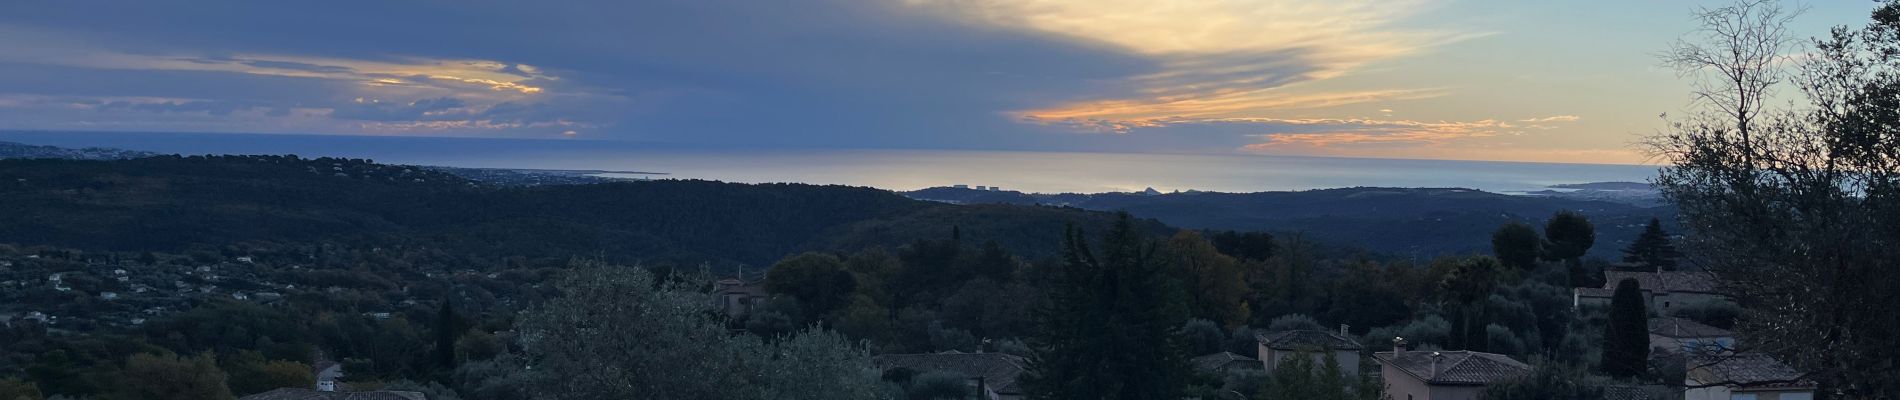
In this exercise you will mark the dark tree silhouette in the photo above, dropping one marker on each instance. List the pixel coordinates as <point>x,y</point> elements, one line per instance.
<point>1516,245</point>
<point>1626,336</point>
<point>1652,250</point>
<point>1109,329</point>
<point>1567,236</point>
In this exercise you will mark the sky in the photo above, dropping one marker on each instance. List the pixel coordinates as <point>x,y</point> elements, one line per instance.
<point>1494,80</point>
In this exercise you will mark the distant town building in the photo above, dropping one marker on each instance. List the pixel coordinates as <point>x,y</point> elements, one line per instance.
<point>1751,376</point>
<point>997,371</point>
<point>1664,291</point>
<point>328,373</point>
<point>1276,347</point>
<point>737,298</point>
<point>1443,375</point>
<point>960,186</point>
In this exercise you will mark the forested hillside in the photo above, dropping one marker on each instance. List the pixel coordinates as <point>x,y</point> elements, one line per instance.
<point>175,203</point>
<point>1401,221</point>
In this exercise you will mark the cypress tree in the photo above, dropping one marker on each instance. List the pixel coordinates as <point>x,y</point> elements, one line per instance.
<point>447,327</point>
<point>1626,336</point>
<point>1109,328</point>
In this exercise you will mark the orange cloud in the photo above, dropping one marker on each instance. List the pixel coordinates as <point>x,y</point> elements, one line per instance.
<point>1219,59</point>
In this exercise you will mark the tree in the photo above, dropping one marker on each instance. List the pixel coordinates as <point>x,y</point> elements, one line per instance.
<point>1109,328</point>
<point>1294,322</point>
<point>1215,284</point>
<point>1201,337</point>
<point>1738,57</point>
<point>1516,245</point>
<point>1468,286</point>
<point>170,377</point>
<point>1795,214</point>
<point>1626,336</point>
<point>615,333</point>
<point>447,327</point>
<point>251,373</point>
<point>1652,250</point>
<point>819,281</point>
<point>1567,236</point>
<point>16,389</point>
<point>1547,381</point>
<point>1249,246</point>
<point>1298,377</point>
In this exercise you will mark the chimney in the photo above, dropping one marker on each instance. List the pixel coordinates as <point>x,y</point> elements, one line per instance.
<point>1398,345</point>
<point>1343,331</point>
<point>1437,364</point>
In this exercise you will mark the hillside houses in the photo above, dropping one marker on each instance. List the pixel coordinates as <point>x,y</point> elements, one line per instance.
<point>1443,375</point>
<point>1276,347</point>
<point>1663,290</point>
<point>1687,336</point>
<point>1750,376</point>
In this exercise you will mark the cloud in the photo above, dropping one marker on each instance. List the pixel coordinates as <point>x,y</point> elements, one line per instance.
<point>1220,59</point>
<point>1553,118</point>
<point>1359,135</point>
<point>1011,74</point>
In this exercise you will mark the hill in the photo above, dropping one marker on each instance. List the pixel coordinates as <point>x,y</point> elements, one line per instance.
<point>1400,221</point>
<point>174,203</point>
<point>21,150</point>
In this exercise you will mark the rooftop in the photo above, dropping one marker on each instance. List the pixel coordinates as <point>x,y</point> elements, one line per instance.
<point>998,370</point>
<point>1299,340</point>
<point>1213,362</point>
<point>1681,328</point>
<point>1666,281</point>
<point>1455,367</point>
<point>309,394</point>
<point>1748,370</point>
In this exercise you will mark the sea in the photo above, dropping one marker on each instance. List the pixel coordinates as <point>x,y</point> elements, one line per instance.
<point>894,169</point>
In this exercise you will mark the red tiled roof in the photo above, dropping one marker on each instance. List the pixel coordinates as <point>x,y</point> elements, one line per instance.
<point>1456,367</point>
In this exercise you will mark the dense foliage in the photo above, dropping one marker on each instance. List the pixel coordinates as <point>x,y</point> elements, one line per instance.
<point>1109,329</point>
<point>1795,208</point>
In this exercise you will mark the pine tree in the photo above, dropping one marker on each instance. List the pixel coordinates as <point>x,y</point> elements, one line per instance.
<point>1516,245</point>
<point>1567,237</point>
<point>1626,335</point>
<point>1109,329</point>
<point>1652,251</point>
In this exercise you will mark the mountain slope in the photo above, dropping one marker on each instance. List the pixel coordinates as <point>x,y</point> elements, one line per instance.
<point>170,203</point>
<point>1421,221</point>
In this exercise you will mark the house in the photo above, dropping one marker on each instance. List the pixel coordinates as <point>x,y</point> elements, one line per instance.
<point>1443,375</point>
<point>329,374</point>
<point>1689,337</point>
<point>307,394</point>
<point>737,297</point>
<point>1749,376</point>
<point>1224,362</point>
<point>1275,347</point>
<point>995,372</point>
<point>1664,291</point>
